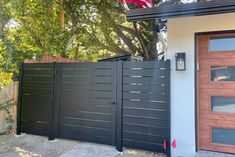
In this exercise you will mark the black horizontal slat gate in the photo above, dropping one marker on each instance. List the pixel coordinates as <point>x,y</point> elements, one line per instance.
<point>125,104</point>
<point>146,105</point>
<point>87,102</point>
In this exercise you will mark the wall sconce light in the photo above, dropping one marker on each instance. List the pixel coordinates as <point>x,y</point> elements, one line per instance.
<point>180,62</point>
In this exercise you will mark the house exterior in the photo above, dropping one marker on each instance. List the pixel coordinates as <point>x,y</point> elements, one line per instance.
<point>202,96</point>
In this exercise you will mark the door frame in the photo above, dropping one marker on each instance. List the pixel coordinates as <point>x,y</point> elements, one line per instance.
<point>196,75</point>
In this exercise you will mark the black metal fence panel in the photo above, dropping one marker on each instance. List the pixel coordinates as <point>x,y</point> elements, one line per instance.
<point>36,98</point>
<point>126,104</point>
<point>145,105</point>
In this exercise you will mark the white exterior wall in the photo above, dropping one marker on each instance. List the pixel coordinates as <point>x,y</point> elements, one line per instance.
<point>181,33</point>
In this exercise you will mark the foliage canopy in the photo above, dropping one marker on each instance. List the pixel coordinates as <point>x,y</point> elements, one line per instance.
<point>84,29</point>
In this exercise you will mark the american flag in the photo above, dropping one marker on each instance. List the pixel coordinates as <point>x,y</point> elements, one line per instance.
<point>140,3</point>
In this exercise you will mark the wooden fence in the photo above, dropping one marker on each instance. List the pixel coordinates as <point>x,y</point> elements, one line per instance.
<point>8,95</point>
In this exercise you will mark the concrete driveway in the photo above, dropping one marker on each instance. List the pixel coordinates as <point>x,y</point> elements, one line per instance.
<point>37,146</point>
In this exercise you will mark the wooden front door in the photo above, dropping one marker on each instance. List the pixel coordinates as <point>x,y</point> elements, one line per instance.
<point>216,92</point>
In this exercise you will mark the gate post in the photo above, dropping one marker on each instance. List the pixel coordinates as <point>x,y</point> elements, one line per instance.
<point>18,128</point>
<point>168,105</point>
<point>54,123</point>
<point>57,91</point>
<point>51,131</point>
<point>119,127</point>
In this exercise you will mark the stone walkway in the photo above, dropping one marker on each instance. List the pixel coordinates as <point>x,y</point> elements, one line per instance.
<point>213,154</point>
<point>38,146</point>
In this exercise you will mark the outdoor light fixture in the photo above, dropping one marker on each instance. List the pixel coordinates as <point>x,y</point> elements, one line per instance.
<point>180,62</point>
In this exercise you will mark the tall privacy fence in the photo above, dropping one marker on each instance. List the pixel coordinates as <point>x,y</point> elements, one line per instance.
<point>8,101</point>
<point>124,104</point>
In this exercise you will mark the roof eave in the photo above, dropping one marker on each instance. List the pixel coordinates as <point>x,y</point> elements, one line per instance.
<point>182,10</point>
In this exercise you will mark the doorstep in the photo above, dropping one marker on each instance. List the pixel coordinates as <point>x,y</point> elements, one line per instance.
<point>213,154</point>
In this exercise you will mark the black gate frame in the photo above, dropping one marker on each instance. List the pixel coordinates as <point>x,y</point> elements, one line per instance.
<point>54,120</point>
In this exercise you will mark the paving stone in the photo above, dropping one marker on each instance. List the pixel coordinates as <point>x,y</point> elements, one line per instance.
<point>213,154</point>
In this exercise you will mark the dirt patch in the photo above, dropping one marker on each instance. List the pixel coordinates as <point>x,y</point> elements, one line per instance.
<point>37,146</point>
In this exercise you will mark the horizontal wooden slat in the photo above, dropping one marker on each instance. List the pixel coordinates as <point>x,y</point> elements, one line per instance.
<point>144,72</point>
<point>86,122</point>
<point>143,137</point>
<point>144,96</point>
<point>73,101</point>
<point>34,98</point>
<point>87,115</point>
<point>92,65</point>
<point>145,104</point>
<point>39,116</point>
<point>46,78</point>
<point>86,129</point>
<point>41,65</point>
<point>37,92</point>
<point>37,72</point>
<point>36,101</point>
<point>145,129</point>
<point>35,124</point>
<point>144,80</point>
<point>155,88</point>
<point>79,94</point>
<point>104,80</point>
<point>143,120</point>
<point>84,135</point>
<point>144,113</point>
<point>86,86</point>
<point>41,108</point>
<point>145,65</point>
<point>37,84</point>
<point>88,108</point>
<point>86,72</point>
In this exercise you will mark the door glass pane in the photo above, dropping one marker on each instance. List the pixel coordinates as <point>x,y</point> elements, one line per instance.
<point>223,104</point>
<point>225,73</point>
<point>223,136</point>
<point>222,44</point>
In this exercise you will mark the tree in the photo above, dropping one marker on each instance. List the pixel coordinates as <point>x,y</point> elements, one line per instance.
<point>79,28</point>
<point>85,29</point>
<point>103,24</point>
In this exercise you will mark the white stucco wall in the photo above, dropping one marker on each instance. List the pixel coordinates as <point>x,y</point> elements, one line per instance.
<point>181,39</point>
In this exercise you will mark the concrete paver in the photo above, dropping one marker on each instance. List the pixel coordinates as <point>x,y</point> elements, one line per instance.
<point>213,154</point>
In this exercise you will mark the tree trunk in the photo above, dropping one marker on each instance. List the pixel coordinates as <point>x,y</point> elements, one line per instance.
<point>61,15</point>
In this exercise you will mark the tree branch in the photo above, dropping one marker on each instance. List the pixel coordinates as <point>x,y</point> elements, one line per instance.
<point>126,39</point>
<point>129,30</point>
<point>114,49</point>
<point>144,48</point>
